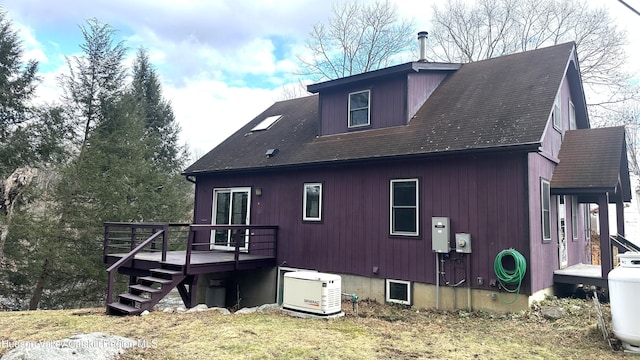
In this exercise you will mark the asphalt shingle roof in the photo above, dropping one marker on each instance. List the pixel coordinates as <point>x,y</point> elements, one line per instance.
<point>494,103</point>
<point>592,160</point>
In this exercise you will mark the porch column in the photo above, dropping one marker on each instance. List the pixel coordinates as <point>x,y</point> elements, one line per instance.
<point>620,215</point>
<point>606,263</point>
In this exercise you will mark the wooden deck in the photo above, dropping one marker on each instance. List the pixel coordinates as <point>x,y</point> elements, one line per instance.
<point>201,261</point>
<point>156,265</point>
<point>580,274</point>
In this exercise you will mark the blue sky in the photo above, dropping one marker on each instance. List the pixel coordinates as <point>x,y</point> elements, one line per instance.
<point>221,62</point>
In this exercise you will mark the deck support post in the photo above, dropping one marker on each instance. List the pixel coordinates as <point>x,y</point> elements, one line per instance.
<point>620,216</point>
<point>189,296</point>
<point>606,261</point>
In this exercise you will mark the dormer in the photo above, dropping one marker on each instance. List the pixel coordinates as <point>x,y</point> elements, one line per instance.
<point>377,99</point>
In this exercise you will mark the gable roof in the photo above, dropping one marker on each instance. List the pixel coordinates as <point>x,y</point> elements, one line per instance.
<point>503,102</point>
<point>593,161</point>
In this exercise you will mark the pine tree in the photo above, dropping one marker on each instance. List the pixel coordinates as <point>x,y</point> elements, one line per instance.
<point>95,79</point>
<point>161,129</point>
<point>32,143</point>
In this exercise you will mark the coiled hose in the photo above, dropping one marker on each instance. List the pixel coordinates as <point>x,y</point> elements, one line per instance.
<point>510,276</point>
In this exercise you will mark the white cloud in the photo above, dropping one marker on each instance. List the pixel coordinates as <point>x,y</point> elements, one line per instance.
<point>221,62</point>
<point>210,111</point>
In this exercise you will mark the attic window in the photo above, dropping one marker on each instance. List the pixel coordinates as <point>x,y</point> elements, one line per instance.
<point>266,123</point>
<point>359,108</point>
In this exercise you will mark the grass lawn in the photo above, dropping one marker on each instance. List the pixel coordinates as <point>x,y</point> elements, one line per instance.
<point>377,332</point>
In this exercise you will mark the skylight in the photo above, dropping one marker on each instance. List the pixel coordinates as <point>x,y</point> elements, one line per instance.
<point>266,123</point>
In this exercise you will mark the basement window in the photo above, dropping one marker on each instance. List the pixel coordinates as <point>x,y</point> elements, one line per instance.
<point>398,291</point>
<point>266,123</point>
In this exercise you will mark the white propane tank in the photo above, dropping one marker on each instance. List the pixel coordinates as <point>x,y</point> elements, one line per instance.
<point>624,292</point>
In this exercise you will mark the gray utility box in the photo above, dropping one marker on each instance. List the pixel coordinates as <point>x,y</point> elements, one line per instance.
<point>463,243</point>
<point>440,234</point>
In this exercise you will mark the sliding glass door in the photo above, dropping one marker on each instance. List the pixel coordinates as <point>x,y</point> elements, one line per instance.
<point>230,207</point>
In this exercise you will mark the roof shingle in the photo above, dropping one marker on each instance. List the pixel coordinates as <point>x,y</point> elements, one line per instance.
<point>494,103</point>
<point>592,160</point>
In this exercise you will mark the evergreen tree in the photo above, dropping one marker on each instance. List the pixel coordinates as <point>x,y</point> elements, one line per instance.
<point>32,144</point>
<point>95,79</point>
<point>30,136</point>
<point>161,129</point>
<point>18,82</point>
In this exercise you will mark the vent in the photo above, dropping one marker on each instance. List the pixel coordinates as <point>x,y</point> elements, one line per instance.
<point>271,152</point>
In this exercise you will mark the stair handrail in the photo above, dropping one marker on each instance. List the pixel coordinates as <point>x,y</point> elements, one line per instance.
<point>123,260</point>
<point>621,242</point>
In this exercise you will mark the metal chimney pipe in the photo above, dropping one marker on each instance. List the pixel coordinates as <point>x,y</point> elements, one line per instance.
<point>422,39</point>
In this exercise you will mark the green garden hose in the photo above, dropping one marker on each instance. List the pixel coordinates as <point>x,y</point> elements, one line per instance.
<point>510,276</point>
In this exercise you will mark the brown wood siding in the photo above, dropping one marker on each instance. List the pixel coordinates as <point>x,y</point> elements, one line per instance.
<point>484,196</point>
<point>388,99</point>
<point>420,87</point>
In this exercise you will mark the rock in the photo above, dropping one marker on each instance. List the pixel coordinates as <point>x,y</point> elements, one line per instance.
<point>220,310</point>
<point>246,311</point>
<point>180,309</point>
<point>198,308</point>
<point>268,308</point>
<point>553,312</point>
<point>91,346</point>
<point>145,313</point>
<point>168,310</point>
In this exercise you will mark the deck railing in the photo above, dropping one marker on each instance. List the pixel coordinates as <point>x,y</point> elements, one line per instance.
<point>249,239</point>
<point>129,239</point>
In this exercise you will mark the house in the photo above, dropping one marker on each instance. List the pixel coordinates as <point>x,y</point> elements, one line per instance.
<point>408,182</point>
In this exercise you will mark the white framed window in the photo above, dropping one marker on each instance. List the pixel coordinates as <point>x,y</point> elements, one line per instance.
<point>545,205</point>
<point>398,291</point>
<point>572,116</point>
<point>312,202</point>
<point>557,113</point>
<point>404,212</point>
<point>574,218</point>
<point>359,109</point>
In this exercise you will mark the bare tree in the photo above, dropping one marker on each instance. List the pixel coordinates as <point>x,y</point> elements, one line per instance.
<point>292,90</point>
<point>629,116</point>
<point>357,38</point>
<point>464,32</point>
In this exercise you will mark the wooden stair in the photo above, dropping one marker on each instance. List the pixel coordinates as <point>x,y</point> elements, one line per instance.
<point>146,292</point>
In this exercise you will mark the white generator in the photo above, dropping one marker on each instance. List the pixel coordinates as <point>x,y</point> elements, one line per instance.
<point>312,292</point>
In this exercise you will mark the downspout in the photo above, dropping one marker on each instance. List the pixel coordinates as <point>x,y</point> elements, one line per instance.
<point>191,179</point>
